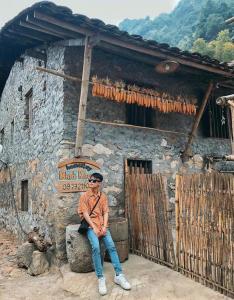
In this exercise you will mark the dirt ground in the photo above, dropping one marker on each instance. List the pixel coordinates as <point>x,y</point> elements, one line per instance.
<point>149,281</point>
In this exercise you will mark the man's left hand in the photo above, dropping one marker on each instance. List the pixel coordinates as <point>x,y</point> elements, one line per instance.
<point>104,230</point>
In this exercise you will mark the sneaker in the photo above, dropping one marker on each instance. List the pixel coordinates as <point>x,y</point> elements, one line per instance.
<point>102,286</point>
<point>122,281</point>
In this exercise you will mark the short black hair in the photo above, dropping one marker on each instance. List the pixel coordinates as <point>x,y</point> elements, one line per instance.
<point>97,176</point>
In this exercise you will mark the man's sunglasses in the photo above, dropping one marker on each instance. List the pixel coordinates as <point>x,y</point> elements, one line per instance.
<point>94,180</point>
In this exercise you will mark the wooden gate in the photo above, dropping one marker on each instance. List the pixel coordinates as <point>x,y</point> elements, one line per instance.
<point>147,211</point>
<point>205,229</point>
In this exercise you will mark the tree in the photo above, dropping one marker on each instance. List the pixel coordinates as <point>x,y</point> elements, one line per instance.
<point>221,48</point>
<point>200,46</point>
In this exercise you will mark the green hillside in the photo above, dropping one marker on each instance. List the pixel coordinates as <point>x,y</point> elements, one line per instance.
<point>190,20</point>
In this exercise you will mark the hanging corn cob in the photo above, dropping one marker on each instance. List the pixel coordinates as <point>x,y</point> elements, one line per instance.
<point>133,94</point>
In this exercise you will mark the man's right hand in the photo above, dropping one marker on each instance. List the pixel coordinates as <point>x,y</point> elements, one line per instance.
<point>96,231</point>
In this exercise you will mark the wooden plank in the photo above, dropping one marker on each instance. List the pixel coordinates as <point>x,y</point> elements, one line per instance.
<point>197,120</point>
<point>123,44</point>
<point>83,97</point>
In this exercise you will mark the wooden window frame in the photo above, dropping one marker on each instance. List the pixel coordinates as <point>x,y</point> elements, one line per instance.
<point>28,109</point>
<point>2,136</point>
<point>12,130</point>
<point>139,115</point>
<point>139,166</point>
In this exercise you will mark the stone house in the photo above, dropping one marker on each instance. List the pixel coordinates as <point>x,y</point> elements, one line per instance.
<point>39,111</point>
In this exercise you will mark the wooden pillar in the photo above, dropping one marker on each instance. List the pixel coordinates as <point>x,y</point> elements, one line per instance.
<point>83,97</point>
<point>197,121</point>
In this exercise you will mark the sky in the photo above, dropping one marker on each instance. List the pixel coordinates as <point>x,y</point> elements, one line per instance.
<point>110,11</point>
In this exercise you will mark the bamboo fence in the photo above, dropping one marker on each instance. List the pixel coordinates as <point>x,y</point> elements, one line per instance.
<point>205,229</point>
<point>147,209</point>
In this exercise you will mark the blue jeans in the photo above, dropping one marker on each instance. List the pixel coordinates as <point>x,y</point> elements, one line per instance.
<point>96,254</point>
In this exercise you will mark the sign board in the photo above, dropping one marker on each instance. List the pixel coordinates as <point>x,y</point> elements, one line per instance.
<point>74,174</point>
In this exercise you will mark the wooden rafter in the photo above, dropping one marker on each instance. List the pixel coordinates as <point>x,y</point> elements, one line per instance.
<point>52,28</point>
<point>39,29</point>
<point>14,33</point>
<point>26,41</point>
<point>18,30</point>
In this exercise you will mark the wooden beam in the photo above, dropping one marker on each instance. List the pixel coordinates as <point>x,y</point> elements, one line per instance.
<point>71,42</point>
<point>51,27</point>
<point>57,73</point>
<point>187,150</point>
<point>123,44</point>
<point>36,28</point>
<point>83,97</point>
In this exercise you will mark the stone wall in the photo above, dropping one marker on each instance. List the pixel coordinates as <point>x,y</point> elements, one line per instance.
<point>32,154</point>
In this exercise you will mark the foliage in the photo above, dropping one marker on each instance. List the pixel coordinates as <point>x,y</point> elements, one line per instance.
<point>190,20</point>
<point>221,48</point>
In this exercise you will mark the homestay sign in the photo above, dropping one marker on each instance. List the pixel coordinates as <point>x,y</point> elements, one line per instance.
<point>74,174</point>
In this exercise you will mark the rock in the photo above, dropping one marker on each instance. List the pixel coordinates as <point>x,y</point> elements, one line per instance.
<point>163,143</point>
<point>39,264</point>
<point>198,161</point>
<point>112,200</point>
<point>172,200</point>
<point>114,168</point>
<point>24,255</point>
<point>100,162</point>
<point>100,149</point>
<point>174,164</point>
<point>79,250</point>
<point>114,189</point>
<point>87,149</point>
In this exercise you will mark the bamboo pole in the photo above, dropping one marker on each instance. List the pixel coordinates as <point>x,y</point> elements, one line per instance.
<point>83,97</point>
<point>197,121</point>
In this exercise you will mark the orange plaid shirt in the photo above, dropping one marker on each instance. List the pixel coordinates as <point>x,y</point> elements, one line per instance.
<point>86,203</point>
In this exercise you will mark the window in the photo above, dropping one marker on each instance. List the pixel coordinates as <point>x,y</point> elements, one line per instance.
<point>2,136</point>
<point>139,115</point>
<point>139,166</point>
<point>24,195</point>
<point>28,109</point>
<point>12,131</point>
<point>216,120</point>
